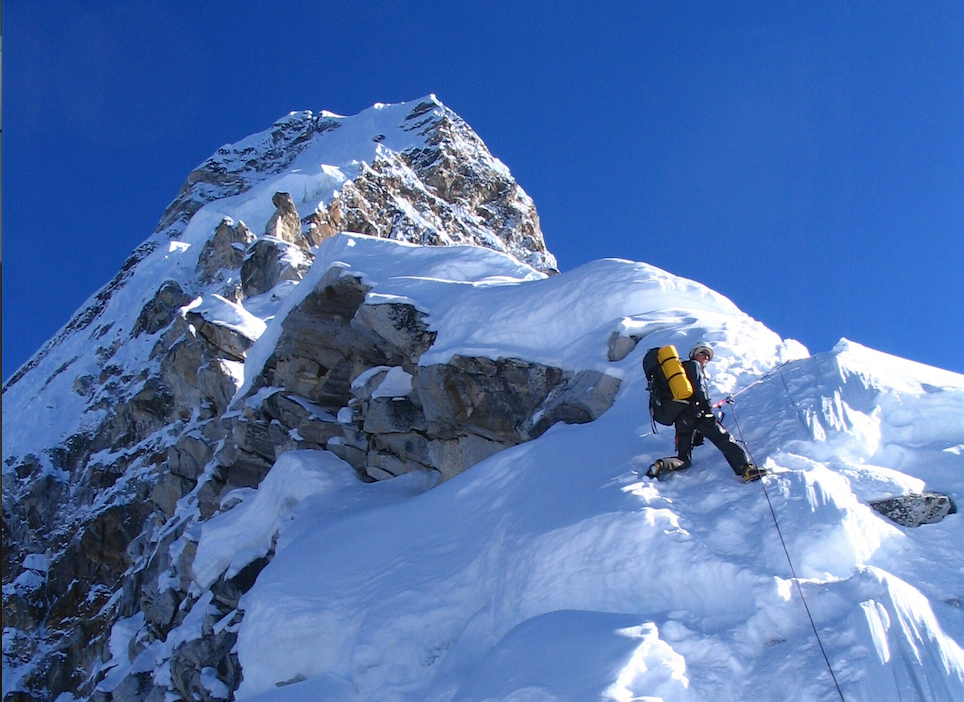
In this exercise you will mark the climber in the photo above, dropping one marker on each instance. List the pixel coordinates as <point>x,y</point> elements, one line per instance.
<point>699,420</point>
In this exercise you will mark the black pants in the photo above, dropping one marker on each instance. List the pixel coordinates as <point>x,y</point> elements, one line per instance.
<point>706,424</point>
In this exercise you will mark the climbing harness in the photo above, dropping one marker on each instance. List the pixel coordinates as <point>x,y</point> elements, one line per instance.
<point>783,543</point>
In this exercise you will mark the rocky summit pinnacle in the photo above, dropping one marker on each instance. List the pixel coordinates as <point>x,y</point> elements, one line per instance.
<point>412,172</point>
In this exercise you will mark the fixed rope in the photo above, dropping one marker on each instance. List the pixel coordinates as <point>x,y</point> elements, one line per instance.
<point>756,382</point>
<point>786,552</point>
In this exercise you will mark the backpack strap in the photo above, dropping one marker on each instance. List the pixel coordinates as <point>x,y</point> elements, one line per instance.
<point>649,406</point>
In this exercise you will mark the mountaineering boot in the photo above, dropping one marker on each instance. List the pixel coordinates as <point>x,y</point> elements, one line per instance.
<point>663,466</point>
<point>751,472</point>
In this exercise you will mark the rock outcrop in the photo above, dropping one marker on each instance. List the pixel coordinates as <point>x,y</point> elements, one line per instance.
<point>223,253</point>
<point>916,510</point>
<point>345,377</point>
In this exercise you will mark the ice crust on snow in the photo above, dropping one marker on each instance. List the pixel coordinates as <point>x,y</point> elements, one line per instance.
<point>551,571</point>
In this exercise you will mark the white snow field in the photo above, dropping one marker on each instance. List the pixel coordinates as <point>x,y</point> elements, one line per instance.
<point>554,572</point>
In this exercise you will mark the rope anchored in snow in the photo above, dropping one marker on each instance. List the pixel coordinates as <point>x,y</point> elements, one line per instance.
<point>786,551</point>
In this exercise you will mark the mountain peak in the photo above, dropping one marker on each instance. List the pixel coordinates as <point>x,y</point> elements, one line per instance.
<point>411,171</point>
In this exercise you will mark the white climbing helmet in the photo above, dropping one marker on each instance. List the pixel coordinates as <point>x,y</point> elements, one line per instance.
<point>701,346</point>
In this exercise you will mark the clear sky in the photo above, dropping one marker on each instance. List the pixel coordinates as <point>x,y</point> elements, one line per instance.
<point>805,159</point>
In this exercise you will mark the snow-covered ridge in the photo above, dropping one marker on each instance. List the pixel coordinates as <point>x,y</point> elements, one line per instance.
<point>483,303</point>
<point>679,591</point>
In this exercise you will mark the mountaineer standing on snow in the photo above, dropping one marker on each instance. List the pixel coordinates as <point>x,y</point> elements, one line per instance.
<point>698,420</point>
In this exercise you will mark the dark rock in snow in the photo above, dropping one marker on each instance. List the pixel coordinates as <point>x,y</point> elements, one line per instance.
<point>225,250</point>
<point>160,311</point>
<point>268,261</point>
<point>915,510</point>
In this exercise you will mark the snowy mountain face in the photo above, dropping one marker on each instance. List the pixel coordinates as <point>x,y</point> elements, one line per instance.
<point>338,431</point>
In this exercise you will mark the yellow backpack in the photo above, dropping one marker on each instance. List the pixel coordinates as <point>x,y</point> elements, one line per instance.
<point>669,388</point>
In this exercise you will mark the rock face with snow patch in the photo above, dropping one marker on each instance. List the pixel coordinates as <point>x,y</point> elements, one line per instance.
<point>135,390</point>
<point>332,382</point>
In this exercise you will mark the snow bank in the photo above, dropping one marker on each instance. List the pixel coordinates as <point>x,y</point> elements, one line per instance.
<point>248,530</point>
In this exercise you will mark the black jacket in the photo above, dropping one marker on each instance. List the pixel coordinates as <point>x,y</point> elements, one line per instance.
<point>700,400</point>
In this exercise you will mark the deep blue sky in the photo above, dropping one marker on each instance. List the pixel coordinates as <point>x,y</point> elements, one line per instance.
<point>806,159</point>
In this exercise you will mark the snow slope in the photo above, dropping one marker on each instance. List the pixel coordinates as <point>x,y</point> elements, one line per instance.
<point>553,571</point>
